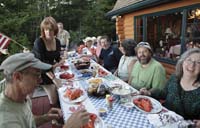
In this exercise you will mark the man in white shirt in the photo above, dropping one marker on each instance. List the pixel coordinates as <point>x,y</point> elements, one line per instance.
<point>63,36</point>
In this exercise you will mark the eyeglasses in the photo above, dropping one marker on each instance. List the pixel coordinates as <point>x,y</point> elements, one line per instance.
<point>190,61</point>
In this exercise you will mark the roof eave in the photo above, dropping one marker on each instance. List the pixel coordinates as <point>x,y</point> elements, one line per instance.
<point>136,6</point>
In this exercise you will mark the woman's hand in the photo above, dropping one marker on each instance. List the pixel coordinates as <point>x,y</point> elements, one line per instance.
<point>61,62</point>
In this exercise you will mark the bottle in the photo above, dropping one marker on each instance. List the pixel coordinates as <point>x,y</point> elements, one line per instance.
<point>109,101</point>
<point>65,53</point>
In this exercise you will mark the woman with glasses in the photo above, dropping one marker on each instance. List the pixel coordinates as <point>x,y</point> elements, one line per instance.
<point>182,92</point>
<point>47,48</point>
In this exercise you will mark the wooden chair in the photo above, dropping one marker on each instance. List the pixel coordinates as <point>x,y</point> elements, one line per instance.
<point>2,85</point>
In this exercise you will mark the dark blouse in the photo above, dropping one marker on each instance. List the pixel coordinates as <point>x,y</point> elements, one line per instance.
<point>50,57</point>
<point>185,103</point>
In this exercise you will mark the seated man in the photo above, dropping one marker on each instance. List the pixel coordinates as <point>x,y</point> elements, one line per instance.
<point>22,72</point>
<point>147,72</point>
<point>109,55</point>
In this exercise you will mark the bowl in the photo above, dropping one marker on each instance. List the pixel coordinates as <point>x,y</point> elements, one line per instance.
<point>86,73</point>
<point>102,111</point>
<point>128,105</point>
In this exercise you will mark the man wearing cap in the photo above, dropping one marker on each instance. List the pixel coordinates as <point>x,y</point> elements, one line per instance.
<point>147,72</point>
<point>22,72</point>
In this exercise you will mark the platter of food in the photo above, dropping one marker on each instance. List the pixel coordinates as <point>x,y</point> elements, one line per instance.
<point>95,81</point>
<point>74,95</point>
<point>65,75</point>
<point>94,122</point>
<point>97,87</point>
<point>102,72</point>
<point>81,64</point>
<point>146,104</point>
<point>64,67</point>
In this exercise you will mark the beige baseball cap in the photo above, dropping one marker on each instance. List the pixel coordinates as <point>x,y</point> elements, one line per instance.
<point>143,44</point>
<point>20,61</point>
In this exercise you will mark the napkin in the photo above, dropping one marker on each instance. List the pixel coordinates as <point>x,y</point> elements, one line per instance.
<point>168,119</point>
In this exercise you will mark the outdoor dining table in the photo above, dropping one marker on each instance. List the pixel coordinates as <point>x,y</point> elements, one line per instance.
<point>117,117</point>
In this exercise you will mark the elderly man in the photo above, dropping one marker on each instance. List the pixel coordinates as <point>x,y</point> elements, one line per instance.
<point>22,72</point>
<point>109,56</point>
<point>147,72</point>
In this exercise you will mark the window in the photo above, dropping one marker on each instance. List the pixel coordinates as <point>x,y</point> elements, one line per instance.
<point>164,31</point>
<point>192,34</point>
<point>139,29</point>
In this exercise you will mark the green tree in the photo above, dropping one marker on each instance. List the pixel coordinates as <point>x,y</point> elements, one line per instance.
<point>20,19</point>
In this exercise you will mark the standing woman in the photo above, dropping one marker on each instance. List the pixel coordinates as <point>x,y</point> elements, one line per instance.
<point>47,48</point>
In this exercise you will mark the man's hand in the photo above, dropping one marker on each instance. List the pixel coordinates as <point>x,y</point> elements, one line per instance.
<point>54,113</point>
<point>144,91</point>
<point>77,119</point>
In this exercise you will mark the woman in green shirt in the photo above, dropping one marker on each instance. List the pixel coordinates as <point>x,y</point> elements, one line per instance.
<point>182,92</point>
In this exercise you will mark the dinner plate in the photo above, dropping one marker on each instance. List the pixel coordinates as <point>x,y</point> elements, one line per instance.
<point>156,106</point>
<point>74,108</point>
<point>77,100</point>
<point>121,90</point>
<point>99,123</point>
<point>57,75</point>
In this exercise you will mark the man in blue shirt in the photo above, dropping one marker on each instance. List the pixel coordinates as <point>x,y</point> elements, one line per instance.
<point>109,55</point>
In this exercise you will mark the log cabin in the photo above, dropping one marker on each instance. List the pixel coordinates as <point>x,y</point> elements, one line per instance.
<point>168,25</point>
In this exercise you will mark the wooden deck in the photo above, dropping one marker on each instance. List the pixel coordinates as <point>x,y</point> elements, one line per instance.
<point>40,106</point>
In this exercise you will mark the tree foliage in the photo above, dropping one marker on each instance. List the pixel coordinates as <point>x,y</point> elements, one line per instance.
<point>20,19</point>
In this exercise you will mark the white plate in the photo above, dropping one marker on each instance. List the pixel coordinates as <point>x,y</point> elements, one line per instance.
<point>80,99</point>
<point>157,107</point>
<point>99,123</point>
<point>57,74</point>
<point>74,108</point>
<point>122,91</point>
